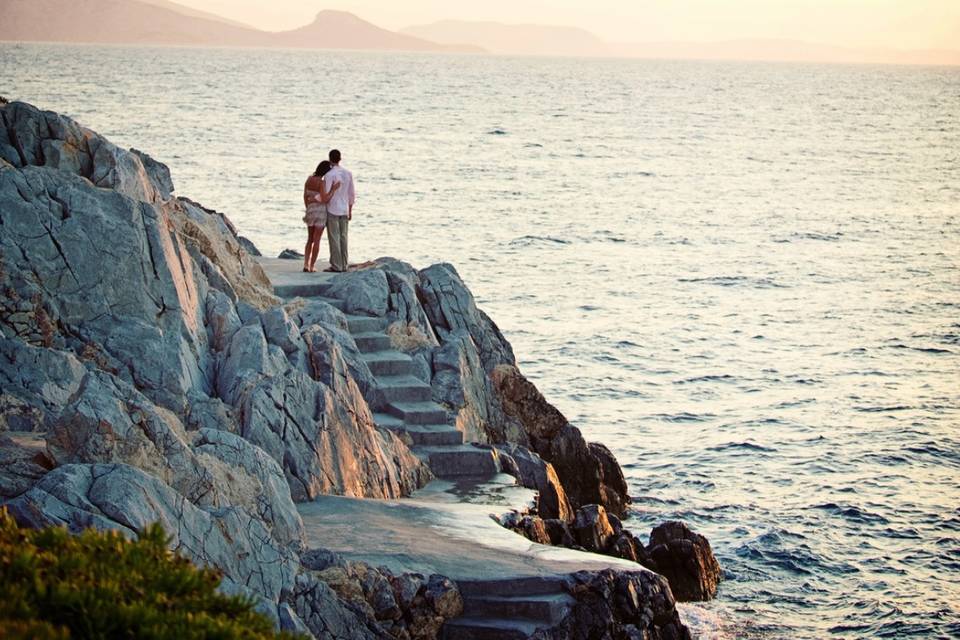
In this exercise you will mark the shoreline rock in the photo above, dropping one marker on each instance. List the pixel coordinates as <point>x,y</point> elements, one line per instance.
<point>149,373</point>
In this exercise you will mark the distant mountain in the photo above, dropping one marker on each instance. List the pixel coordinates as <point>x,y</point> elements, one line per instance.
<point>514,39</point>
<point>196,13</point>
<point>117,21</point>
<point>164,22</point>
<point>342,30</point>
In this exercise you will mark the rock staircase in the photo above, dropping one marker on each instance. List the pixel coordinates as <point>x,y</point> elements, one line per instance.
<point>494,609</point>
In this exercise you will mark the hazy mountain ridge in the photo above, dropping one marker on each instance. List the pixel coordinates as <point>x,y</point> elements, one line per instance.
<point>163,22</point>
<point>167,23</point>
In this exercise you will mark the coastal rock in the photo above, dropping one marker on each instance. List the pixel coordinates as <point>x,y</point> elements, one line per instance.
<point>450,306</point>
<point>534,472</point>
<point>23,461</point>
<point>588,472</point>
<point>121,497</point>
<point>310,312</point>
<point>363,292</point>
<point>403,304</point>
<point>290,254</point>
<point>334,359</point>
<point>591,528</point>
<point>247,477</point>
<point>621,605</point>
<point>460,384</point>
<point>686,560</point>
<point>324,614</point>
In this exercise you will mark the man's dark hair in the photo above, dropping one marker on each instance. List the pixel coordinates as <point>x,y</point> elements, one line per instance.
<point>334,156</point>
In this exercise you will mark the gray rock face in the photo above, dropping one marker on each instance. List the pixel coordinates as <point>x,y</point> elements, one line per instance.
<point>403,305</point>
<point>120,497</point>
<point>449,305</point>
<point>534,472</point>
<point>363,292</point>
<point>589,472</point>
<point>460,384</point>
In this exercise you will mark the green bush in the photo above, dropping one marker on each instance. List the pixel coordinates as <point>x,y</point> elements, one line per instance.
<point>54,585</point>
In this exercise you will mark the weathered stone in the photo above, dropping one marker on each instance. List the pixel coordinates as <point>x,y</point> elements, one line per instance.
<point>403,304</point>
<point>318,606</point>
<point>248,246</point>
<point>533,472</point>
<point>588,472</point>
<point>290,254</point>
<point>321,559</point>
<point>23,461</point>
<point>247,477</point>
<point>450,306</point>
<point>334,358</point>
<point>591,528</point>
<point>121,497</point>
<point>311,312</point>
<point>686,560</point>
<point>363,292</point>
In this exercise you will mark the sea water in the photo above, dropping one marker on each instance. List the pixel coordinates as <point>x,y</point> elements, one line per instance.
<point>742,277</point>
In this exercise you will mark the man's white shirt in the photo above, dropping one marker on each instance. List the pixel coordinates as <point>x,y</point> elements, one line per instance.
<point>344,197</point>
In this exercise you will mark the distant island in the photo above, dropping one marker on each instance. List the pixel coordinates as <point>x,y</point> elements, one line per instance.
<point>163,22</point>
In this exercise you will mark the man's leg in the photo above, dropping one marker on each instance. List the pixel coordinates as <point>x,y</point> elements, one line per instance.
<point>344,254</point>
<point>333,238</point>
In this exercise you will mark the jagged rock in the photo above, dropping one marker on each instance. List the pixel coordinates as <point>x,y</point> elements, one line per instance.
<point>121,497</point>
<point>290,254</point>
<point>686,560</point>
<point>110,421</point>
<point>23,461</point>
<point>325,444</point>
<point>449,305</point>
<point>591,528</point>
<point>533,472</point>
<point>588,472</point>
<point>334,358</point>
<point>363,292</point>
<point>280,330</point>
<point>318,606</point>
<point>403,305</point>
<point>321,559</point>
<point>222,320</point>
<point>311,312</point>
<point>247,477</point>
<point>37,383</point>
<point>460,384</point>
<point>621,605</point>
<point>248,246</point>
<point>291,622</point>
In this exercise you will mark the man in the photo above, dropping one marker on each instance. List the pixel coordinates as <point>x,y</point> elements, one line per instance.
<point>339,212</point>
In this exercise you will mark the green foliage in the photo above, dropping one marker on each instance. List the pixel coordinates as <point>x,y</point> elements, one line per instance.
<point>54,586</point>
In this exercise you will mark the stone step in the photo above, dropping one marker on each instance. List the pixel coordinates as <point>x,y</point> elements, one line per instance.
<point>417,412</point>
<point>371,341</point>
<point>388,363</point>
<point>465,628</point>
<point>403,389</point>
<point>301,290</point>
<point>333,302</point>
<point>550,608</point>
<point>526,586</point>
<point>420,434</point>
<point>462,460</point>
<point>363,324</point>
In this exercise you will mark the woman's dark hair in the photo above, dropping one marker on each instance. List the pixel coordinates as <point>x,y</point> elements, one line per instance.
<point>322,168</point>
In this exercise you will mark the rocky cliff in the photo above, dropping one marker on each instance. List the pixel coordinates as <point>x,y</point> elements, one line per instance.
<point>149,373</point>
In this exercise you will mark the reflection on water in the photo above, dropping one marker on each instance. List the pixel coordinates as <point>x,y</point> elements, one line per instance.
<point>742,277</point>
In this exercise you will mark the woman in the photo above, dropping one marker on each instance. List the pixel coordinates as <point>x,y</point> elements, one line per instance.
<point>315,199</point>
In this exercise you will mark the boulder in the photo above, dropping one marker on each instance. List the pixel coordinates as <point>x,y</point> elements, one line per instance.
<point>23,461</point>
<point>363,292</point>
<point>591,528</point>
<point>403,304</point>
<point>588,472</point>
<point>686,560</point>
<point>450,306</point>
<point>324,614</point>
<point>534,472</point>
<point>621,604</point>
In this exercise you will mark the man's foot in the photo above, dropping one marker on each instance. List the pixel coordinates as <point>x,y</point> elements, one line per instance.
<point>331,270</point>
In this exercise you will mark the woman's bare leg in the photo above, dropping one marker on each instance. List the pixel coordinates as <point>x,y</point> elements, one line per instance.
<point>316,234</point>
<point>307,249</point>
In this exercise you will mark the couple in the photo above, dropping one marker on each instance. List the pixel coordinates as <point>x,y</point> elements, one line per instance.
<point>328,196</point>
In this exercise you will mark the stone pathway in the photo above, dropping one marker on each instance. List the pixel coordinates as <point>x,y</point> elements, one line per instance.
<point>511,587</point>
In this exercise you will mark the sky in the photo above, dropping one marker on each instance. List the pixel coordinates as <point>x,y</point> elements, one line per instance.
<point>900,24</point>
